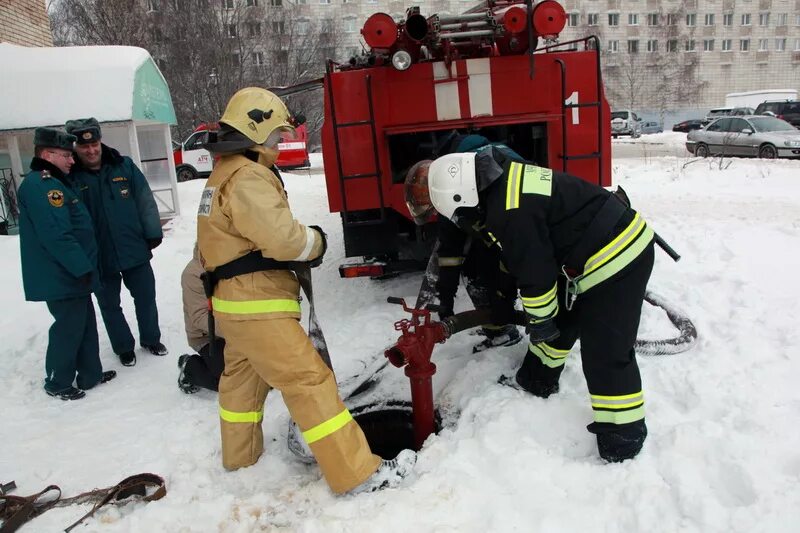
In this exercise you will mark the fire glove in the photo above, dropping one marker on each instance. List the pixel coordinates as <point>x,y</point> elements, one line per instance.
<point>318,261</point>
<point>542,331</point>
<point>153,243</point>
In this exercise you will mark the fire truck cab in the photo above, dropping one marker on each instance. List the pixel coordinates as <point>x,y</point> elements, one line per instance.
<point>193,161</point>
<point>497,70</point>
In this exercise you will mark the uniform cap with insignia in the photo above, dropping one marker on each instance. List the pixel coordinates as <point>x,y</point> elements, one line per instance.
<point>52,138</point>
<point>87,130</point>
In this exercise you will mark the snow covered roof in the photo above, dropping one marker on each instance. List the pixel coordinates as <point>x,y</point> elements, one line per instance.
<point>48,86</point>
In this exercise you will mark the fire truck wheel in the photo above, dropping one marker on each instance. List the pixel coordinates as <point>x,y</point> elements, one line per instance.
<point>185,173</point>
<point>701,150</point>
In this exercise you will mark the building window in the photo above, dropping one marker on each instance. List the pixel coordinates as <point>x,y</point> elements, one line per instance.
<point>797,45</point>
<point>302,27</point>
<point>672,19</point>
<point>652,45</point>
<point>727,45</point>
<point>326,2</point>
<point>708,45</point>
<point>372,1</point>
<point>633,46</point>
<point>251,3</point>
<point>573,19</point>
<point>763,45</point>
<point>633,19</point>
<point>782,19</point>
<point>763,19</point>
<point>652,19</point>
<point>235,59</point>
<point>231,30</point>
<point>278,27</point>
<point>253,29</point>
<point>797,20</point>
<point>746,19</point>
<point>326,26</point>
<point>282,57</point>
<point>227,4</point>
<point>613,19</point>
<point>593,19</point>
<point>727,19</point>
<point>613,46</point>
<point>689,45</point>
<point>744,45</point>
<point>780,45</point>
<point>691,19</point>
<point>258,58</point>
<point>709,19</point>
<point>672,45</point>
<point>349,25</point>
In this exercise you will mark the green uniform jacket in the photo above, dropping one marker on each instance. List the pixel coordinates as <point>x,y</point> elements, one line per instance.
<point>56,236</point>
<point>123,209</point>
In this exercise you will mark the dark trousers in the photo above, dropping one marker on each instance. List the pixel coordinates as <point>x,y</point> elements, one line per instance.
<point>487,285</point>
<point>141,283</point>
<point>606,320</point>
<point>72,346</point>
<point>204,370</point>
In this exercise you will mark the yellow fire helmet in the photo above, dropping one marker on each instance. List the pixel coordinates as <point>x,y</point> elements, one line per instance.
<point>255,113</point>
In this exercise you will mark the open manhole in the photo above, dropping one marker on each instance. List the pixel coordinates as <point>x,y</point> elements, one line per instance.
<point>389,427</point>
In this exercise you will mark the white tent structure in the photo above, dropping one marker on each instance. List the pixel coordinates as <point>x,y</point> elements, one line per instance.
<point>120,86</point>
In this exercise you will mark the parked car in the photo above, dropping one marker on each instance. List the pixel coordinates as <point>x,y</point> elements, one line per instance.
<point>727,112</point>
<point>761,136</point>
<point>652,127</point>
<point>788,110</point>
<point>625,123</point>
<point>688,125</point>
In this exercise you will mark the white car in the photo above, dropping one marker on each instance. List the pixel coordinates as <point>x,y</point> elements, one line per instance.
<point>625,123</point>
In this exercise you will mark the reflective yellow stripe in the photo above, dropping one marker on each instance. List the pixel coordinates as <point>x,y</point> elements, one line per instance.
<point>450,261</point>
<point>551,362</point>
<point>537,180</point>
<point>513,185</point>
<point>494,239</point>
<point>540,300</point>
<point>332,425</point>
<point>623,397</point>
<point>546,311</point>
<point>584,283</point>
<point>549,351</point>
<point>252,307</point>
<point>621,417</point>
<point>610,250</point>
<point>252,417</point>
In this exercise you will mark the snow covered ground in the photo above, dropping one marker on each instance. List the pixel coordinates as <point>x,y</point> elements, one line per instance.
<point>724,447</point>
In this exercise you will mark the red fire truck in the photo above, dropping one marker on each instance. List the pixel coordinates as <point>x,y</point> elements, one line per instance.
<point>193,161</point>
<point>497,70</point>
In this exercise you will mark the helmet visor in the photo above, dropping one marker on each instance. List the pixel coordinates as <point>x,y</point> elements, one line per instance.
<point>418,198</point>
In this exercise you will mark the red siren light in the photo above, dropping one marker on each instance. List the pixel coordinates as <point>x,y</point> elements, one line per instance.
<point>549,18</point>
<point>380,31</point>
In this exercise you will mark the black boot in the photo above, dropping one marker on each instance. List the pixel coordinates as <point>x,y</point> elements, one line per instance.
<point>538,378</point>
<point>156,349</point>
<point>127,358</point>
<point>184,382</point>
<point>70,393</point>
<point>108,375</point>
<point>619,442</point>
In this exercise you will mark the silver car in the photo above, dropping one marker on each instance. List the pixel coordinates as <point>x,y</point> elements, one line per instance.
<point>761,136</point>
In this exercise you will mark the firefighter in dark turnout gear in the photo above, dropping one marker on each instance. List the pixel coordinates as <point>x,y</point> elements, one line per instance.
<point>59,258</point>
<point>128,228</point>
<point>486,280</point>
<point>581,259</point>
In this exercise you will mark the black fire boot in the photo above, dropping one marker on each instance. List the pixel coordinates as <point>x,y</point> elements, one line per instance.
<point>127,358</point>
<point>538,378</point>
<point>619,442</point>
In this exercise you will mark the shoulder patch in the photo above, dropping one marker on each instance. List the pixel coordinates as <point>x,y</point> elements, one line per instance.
<point>55,197</point>
<point>537,180</point>
<point>45,174</point>
<point>204,209</point>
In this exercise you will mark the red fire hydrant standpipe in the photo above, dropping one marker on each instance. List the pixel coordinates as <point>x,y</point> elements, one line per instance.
<point>414,349</point>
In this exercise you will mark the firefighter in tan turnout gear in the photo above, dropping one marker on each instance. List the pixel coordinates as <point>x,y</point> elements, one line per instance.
<point>243,214</point>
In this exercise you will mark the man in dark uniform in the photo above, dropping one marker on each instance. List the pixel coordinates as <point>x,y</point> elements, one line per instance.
<point>560,235</point>
<point>127,227</point>
<point>59,257</point>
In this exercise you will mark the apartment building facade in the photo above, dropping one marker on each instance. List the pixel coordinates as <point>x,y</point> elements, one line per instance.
<point>25,22</point>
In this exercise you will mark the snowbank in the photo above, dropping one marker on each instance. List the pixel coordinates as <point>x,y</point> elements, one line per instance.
<point>724,447</point>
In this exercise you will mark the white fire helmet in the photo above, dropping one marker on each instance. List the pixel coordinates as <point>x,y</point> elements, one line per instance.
<point>452,183</point>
